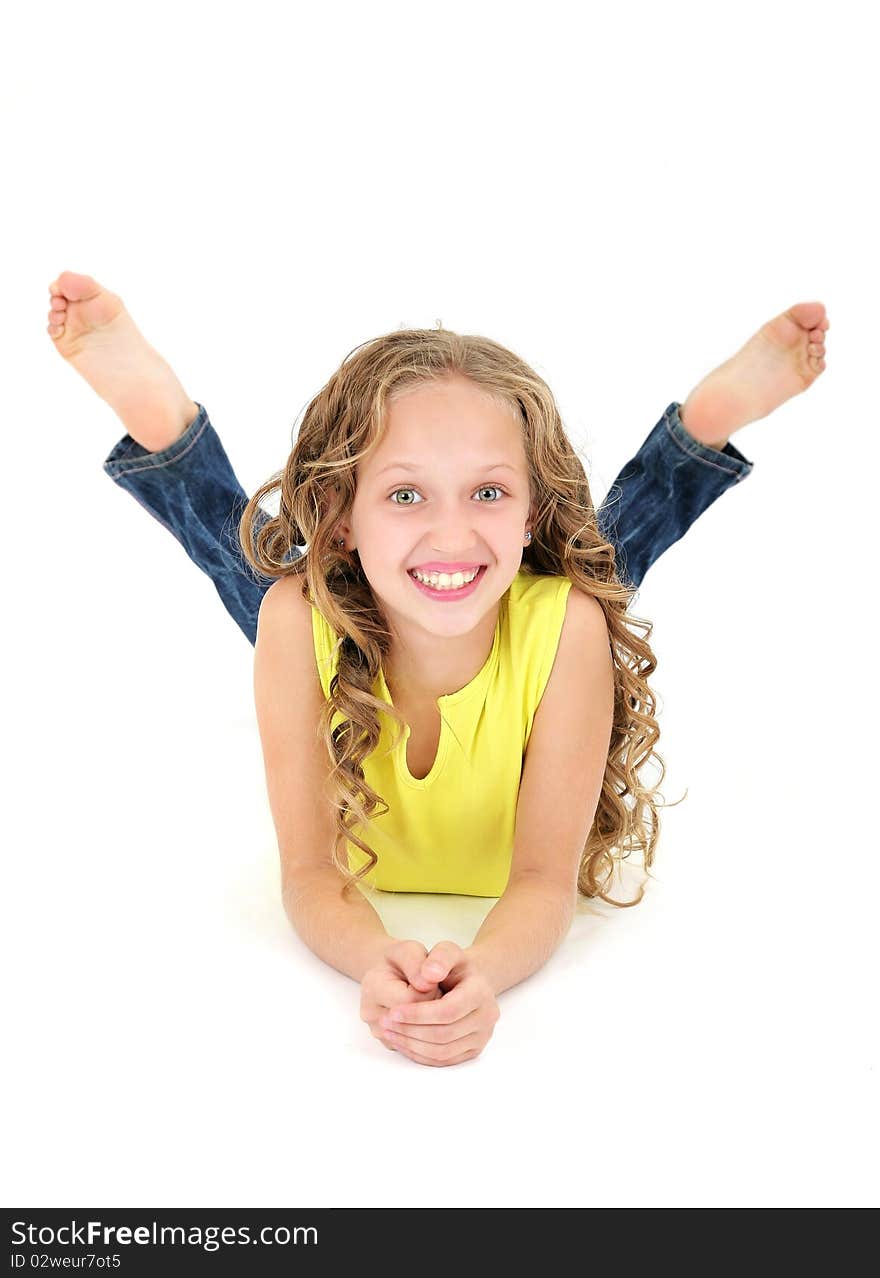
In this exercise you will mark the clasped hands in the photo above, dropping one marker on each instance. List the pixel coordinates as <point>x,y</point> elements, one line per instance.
<point>437,1008</point>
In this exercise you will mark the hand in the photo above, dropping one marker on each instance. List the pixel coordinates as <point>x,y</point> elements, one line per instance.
<point>394,981</point>
<point>454,1027</point>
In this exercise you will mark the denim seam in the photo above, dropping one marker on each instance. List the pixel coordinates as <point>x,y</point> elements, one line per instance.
<point>131,466</point>
<point>699,455</point>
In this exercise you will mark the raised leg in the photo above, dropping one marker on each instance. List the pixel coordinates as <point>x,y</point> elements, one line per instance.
<point>191,488</point>
<point>661,491</point>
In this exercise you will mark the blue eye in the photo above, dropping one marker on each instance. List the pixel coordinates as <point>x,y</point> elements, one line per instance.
<point>493,487</point>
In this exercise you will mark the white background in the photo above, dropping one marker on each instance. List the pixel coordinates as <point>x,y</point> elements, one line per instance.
<point>622,195</point>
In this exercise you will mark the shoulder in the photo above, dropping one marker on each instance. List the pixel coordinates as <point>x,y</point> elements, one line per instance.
<point>553,617</point>
<point>294,638</point>
<point>583,654</point>
<point>549,594</point>
<point>584,614</point>
<point>284,608</point>
<point>284,645</point>
<point>284,590</point>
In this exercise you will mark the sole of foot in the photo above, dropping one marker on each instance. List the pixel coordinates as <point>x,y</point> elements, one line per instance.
<point>784,358</point>
<point>91,329</point>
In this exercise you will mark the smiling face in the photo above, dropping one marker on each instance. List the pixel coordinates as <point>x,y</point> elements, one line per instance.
<point>464,500</point>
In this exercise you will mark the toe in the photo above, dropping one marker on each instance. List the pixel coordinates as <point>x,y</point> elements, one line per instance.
<point>808,315</point>
<point>75,287</point>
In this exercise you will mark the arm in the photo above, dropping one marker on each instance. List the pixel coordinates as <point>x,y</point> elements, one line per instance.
<point>344,931</point>
<point>564,768</point>
<point>522,930</point>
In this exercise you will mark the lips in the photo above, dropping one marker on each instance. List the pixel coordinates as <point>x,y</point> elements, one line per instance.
<point>447,568</point>
<point>449,595</point>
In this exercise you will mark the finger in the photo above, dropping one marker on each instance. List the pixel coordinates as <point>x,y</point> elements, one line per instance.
<point>452,1007</point>
<point>457,1059</point>
<point>380,993</point>
<point>409,957</point>
<point>412,964</point>
<point>440,961</point>
<point>438,1051</point>
<point>400,993</point>
<point>387,993</point>
<point>433,1033</point>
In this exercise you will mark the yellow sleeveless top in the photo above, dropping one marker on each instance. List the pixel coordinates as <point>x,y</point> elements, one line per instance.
<point>453,830</point>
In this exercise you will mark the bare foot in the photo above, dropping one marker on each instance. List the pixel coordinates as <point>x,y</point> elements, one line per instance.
<point>782,359</point>
<point>93,331</point>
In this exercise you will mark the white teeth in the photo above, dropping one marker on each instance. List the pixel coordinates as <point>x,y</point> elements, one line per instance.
<point>445,580</point>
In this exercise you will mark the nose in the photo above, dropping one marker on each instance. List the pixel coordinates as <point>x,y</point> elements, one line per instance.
<point>450,535</point>
<point>454,545</point>
<point>451,531</point>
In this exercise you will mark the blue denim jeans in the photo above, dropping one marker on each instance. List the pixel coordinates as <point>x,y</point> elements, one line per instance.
<point>191,488</point>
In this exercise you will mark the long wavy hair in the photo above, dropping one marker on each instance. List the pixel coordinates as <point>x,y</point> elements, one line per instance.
<point>341,427</point>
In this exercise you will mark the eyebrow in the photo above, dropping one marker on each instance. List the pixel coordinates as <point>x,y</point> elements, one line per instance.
<point>402,465</point>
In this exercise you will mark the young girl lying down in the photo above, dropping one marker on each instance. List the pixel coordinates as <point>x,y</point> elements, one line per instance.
<point>451,693</point>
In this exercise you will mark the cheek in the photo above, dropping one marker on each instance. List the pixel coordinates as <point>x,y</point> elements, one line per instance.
<point>389,545</point>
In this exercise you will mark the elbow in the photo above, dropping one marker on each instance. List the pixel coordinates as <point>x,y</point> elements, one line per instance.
<point>300,883</point>
<point>550,886</point>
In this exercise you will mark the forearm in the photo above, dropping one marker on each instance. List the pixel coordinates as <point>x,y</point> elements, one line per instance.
<point>522,930</point>
<point>344,931</point>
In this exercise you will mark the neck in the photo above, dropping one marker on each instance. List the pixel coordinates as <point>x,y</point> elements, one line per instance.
<point>431,666</point>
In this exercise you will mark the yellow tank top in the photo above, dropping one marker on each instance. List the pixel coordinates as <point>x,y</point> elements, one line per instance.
<point>453,830</point>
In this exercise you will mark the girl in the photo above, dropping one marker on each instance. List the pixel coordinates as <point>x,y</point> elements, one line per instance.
<point>494,632</point>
